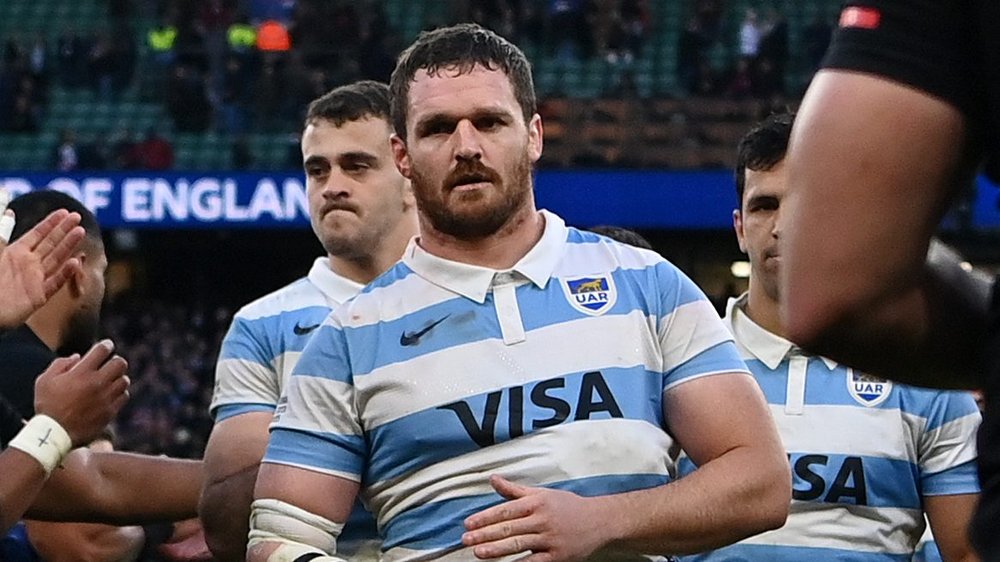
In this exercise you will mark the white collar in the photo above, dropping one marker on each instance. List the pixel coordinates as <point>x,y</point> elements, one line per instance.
<point>473,282</point>
<point>336,288</point>
<point>770,348</point>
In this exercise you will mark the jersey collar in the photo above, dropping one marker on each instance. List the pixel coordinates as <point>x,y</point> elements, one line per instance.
<point>474,282</point>
<point>335,288</point>
<point>771,349</point>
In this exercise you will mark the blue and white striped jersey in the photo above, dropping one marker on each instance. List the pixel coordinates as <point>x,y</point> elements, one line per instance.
<point>267,336</point>
<point>552,374</point>
<point>261,348</point>
<point>864,453</point>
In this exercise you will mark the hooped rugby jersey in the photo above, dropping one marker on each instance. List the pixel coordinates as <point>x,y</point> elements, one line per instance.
<point>864,453</point>
<point>552,374</point>
<point>261,347</point>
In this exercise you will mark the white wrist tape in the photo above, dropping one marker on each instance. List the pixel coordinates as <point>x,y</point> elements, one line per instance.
<point>45,440</point>
<point>6,226</point>
<point>300,531</point>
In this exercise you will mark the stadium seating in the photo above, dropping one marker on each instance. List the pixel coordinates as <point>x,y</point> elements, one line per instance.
<point>656,116</point>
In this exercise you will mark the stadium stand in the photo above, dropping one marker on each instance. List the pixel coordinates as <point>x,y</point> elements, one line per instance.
<point>620,72</point>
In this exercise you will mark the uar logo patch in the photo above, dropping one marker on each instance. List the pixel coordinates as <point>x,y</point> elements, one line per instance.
<point>593,295</point>
<point>866,389</point>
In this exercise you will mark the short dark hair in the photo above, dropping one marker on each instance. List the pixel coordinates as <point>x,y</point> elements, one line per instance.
<point>351,102</point>
<point>32,208</point>
<point>460,48</point>
<point>762,149</point>
<point>623,235</point>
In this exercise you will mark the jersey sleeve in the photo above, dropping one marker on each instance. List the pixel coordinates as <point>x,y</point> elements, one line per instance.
<point>693,339</point>
<point>317,425</point>
<point>948,445</point>
<point>245,376</point>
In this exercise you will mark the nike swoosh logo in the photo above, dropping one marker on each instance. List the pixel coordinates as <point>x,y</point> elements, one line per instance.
<point>413,338</point>
<point>303,330</point>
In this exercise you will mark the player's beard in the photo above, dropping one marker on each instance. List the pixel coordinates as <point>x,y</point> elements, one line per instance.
<point>482,220</point>
<point>81,333</point>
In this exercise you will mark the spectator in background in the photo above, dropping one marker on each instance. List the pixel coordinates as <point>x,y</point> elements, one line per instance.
<point>66,156</point>
<point>23,117</point>
<point>71,56</point>
<point>242,156</point>
<point>96,154</point>
<point>691,48</point>
<point>750,34</point>
<point>233,96</point>
<point>124,153</point>
<point>774,49</point>
<point>155,153</point>
<point>101,66</point>
<point>636,23</point>
<point>566,26</point>
<point>38,57</point>
<point>187,102</point>
<point>815,38</point>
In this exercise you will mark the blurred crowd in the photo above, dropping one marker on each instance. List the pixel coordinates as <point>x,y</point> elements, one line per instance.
<point>240,67</point>
<point>171,350</point>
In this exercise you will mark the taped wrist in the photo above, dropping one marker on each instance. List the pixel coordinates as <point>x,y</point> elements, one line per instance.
<point>299,532</point>
<point>44,440</point>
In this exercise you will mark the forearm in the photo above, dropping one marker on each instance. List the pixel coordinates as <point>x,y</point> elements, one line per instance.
<point>23,478</point>
<point>120,488</point>
<point>225,514</point>
<point>124,482</point>
<point>728,499</point>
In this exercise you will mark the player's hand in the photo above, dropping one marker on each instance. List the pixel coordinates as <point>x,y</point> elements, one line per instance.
<point>34,267</point>
<point>187,544</point>
<point>84,394</point>
<point>552,524</point>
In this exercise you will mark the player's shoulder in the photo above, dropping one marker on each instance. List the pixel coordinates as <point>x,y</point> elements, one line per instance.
<point>293,297</point>
<point>587,252</point>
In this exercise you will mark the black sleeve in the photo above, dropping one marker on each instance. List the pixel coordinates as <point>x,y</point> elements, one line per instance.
<point>10,422</point>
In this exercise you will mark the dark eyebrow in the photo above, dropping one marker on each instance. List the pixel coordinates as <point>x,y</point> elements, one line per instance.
<point>357,157</point>
<point>436,120</point>
<point>316,160</point>
<point>762,198</point>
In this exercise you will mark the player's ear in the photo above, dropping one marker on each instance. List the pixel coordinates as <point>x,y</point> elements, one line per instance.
<point>738,227</point>
<point>77,282</point>
<point>400,156</point>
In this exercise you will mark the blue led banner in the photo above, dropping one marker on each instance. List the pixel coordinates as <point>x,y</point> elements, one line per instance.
<point>637,199</point>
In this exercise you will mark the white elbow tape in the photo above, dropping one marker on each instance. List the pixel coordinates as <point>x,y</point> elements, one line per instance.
<point>45,440</point>
<point>300,532</point>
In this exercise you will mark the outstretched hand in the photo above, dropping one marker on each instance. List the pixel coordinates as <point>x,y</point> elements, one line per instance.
<point>547,525</point>
<point>34,267</point>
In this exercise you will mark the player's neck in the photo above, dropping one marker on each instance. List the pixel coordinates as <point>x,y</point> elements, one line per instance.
<point>764,311</point>
<point>364,269</point>
<point>501,250</point>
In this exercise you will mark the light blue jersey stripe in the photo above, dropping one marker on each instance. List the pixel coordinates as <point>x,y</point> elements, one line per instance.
<point>261,340</point>
<point>325,356</point>
<point>403,445</point>
<point>467,322</point>
<point>828,387</point>
<point>750,552</point>
<point>227,411</point>
<point>883,483</point>
<point>960,479</point>
<point>721,358</point>
<point>438,525</point>
<point>323,451</point>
